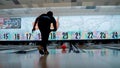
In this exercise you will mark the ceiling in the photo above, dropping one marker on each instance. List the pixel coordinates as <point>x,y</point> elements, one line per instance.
<point>13,8</point>
<point>8,4</point>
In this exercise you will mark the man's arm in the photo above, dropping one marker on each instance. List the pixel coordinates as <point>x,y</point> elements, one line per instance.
<point>54,24</point>
<point>35,24</point>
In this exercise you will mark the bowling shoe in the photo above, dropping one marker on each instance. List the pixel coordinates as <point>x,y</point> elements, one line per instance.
<point>46,52</point>
<point>40,48</point>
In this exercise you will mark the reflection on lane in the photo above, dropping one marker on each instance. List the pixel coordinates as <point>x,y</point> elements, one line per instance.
<point>92,58</point>
<point>103,52</point>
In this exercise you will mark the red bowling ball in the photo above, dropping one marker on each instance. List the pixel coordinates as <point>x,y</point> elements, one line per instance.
<point>63,47</point>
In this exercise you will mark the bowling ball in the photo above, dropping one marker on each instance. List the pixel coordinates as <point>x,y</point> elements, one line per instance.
<point>63,46</point>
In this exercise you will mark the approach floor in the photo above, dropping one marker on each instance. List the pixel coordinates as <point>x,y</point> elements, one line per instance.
<point>87,58</point>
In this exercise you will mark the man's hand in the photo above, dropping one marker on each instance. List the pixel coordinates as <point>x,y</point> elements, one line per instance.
<point>53,29</point>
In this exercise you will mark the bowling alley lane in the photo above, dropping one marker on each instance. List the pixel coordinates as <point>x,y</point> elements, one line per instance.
<point>91,58</point>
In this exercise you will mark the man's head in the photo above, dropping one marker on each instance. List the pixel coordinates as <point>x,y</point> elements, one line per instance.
<point>50,13</point>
